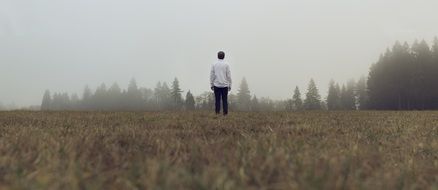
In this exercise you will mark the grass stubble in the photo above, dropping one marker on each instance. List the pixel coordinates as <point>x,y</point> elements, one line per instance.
<point>198,150</point>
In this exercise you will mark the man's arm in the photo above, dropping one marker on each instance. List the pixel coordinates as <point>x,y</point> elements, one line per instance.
<point>212,76</point>
<point>229,77</point>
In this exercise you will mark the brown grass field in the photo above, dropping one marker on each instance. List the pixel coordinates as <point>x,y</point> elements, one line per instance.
<point>198,150</point>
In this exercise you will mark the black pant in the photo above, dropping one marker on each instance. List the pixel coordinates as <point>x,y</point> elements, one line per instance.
<point>221,93</point>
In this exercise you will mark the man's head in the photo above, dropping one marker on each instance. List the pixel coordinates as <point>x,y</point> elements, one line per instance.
<point>221,55</point>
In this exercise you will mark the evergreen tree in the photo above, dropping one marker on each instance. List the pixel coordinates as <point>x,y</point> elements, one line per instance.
<point>403,78</point>
<point>133,97</point>
<point>434,91</point>
<point>45,105</point>
<point>115,97</point>
<point>362,94</point>
<point>99,98</point>
<point>244,96</point>
<point>254,103</point>
<point>296,99</point>
<point>177,100</point>
<point>190,101</point>
<point>65,101</point>
<point>313,99</point>
<point>56,102</point>
<point>86,98</point>
<point>147,96</point>
<point>166,96</point>
<point>348,99</point>
<point>157,96</point>
<point>333,96</point>
<point>232,102</point>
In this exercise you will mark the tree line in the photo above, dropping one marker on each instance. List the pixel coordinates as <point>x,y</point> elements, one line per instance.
<point>162,97</point>
<point>165,97</point>
<point>405,78</point>
<point>402,79</point>
<point>134,98</point>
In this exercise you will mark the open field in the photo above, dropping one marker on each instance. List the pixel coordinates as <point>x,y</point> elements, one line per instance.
<point>197,150</point>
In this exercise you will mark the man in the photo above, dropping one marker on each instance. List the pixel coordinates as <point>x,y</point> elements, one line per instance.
<point>220,82</point>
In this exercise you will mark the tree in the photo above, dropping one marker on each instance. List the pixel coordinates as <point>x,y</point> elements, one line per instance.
<point>166,97</point>
<point>434,91</point>
<point>348,99</point>
<point>244,96</point>
<point>86,98</point>
<point>254,103</point>
<point>297,102</point>
<point>99,98</point>
<point>313,99</point>
<point>148,99</point>
<point>177,100</point>
<point>205,101</point>
<point>362,94</point>
<point>133,97</point>
<point>157,96</point>
<point>56,103</point>
<point>45,105</point>
<point>114,97</point>
<point>190,101</point>
<point>404,78</point>
<point>333,96</point>
<point>232,102</point>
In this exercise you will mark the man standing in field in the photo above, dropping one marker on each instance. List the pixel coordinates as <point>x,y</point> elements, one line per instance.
<point>220,82</point>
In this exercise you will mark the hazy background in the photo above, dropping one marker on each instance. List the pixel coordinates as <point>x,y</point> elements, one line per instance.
<point>62,45</point>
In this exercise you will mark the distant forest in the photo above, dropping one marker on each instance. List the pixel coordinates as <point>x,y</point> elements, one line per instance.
<point>162,97</point>
<point>404,78</point>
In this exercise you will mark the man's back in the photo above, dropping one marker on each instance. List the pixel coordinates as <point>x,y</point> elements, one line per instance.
<point>220,82</point>
<point>220,75</point>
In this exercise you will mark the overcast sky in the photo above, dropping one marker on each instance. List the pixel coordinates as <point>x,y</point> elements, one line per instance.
<point>62,45</point>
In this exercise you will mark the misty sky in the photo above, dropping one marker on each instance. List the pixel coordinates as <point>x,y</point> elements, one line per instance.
<point>62,45</point>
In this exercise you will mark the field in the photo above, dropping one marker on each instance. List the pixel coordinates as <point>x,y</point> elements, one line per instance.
<point>198,150</point>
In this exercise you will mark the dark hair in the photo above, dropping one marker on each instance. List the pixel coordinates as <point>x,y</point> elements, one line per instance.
<point>221,55</point>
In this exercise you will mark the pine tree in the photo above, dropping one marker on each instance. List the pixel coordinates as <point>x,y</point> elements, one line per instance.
<point>362,94</point>
<point>333,96</point>
<point>434,91</point>
<point>114,97</point>
<point>157,96</point>
<point>348,99</point>
<point>177,100</point>
<point>244,96</point>
<point>45,105</point>
<point>86,98</point>
<point>190,101</point>
<point>296,99</point>
<point>166,96</point>
<point>99,98</point>
<point>56,103</point>
<point>133,97</point>
<point>313,99</point>
<point>254,103</point>
<point>65,103</point>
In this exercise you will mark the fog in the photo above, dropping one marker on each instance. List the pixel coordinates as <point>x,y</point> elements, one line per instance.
<point>63,45</point>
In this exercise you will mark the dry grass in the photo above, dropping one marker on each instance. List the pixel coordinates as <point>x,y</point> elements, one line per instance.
<point>197,150</point>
